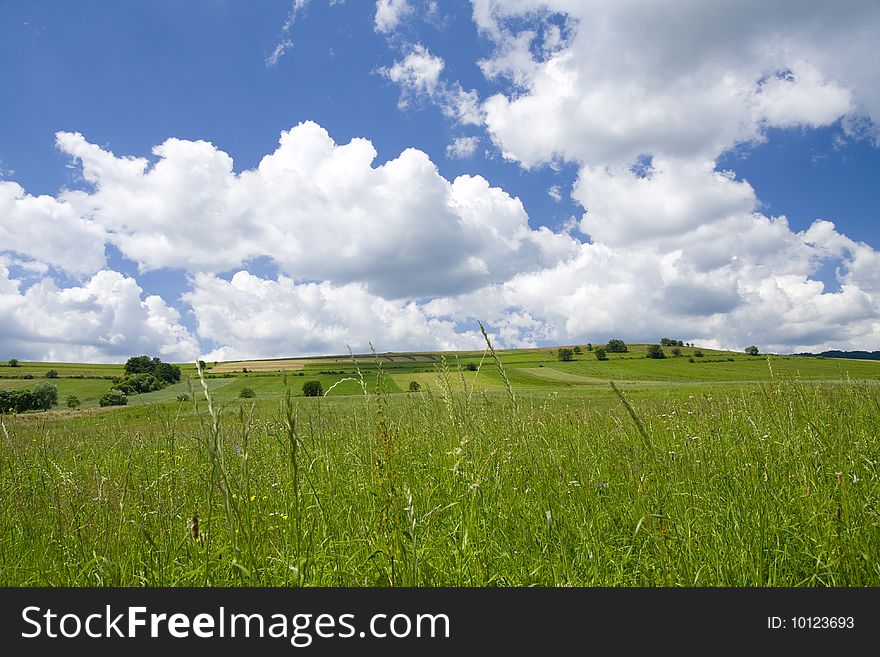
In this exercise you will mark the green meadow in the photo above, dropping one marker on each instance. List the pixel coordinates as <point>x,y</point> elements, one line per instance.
<point>507,469</point>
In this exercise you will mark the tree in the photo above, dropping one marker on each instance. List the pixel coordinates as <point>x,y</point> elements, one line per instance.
<point>52,374</point>
<point>471,367</point>
<point>565,354</point>
<point>72,401</point>
<point>45,395</point>
<point>203,365</point>
<point>752,351</point>
<point>113,397</point>
<point>616,346</point>
<point>577,349</point>
<point>167,372</point>
<point>247,393</point>
<point>600,353</point>
<point>13,362</point>
<point>676,352</point>
<point>414,386</point>
<point>654,351</point>
<point>16,401</point>
<point>134,384</point>
<point>589,346</point>
<point>140,365</point>
<point>698,353</point>
<point>313,388</point>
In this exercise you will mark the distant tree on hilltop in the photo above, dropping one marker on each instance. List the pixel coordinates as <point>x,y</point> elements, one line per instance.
<point>616,346</point>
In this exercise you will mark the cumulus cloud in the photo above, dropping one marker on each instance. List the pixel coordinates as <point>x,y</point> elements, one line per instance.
<point>49,230</point>
<point>639,77</point>
<point>764,296</point>
<point>389,13</point>
<point>106,319</point>
<point>419,77</point>
<point>319,210</point>
<point>462,147</point>
<point>253,317</point>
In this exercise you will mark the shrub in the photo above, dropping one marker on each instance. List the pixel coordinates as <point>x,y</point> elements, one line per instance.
<point>16,401</point>
<point>616,346</point>
<point>589,346</point>
<point>13,362</point>
<point>752,350</point>
<point>45,395</point>
<point>134,384</point>
<point>244,370</point>
<point>113,397</point>
<point>577,349</point>
<point>72,401</point>
<point>600,353</point>
<point>52,374</point>
<point>654,351</point>
<point>27,376</point>
<point>414,386</point>
<point>203,365</point>
<point>313,388</point>
<point>471,367</point>
<point>247,393</point>
<point>691,360</point>
<point>565,354</point>
<point>698,353</point>
<point>183,398</point>
<point>676,352</point>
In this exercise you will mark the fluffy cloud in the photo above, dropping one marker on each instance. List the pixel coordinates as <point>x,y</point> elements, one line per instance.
<point>625,79</point>
<point>256,317</point>
<point>320,210</point>
<point>389,13</point>
<point>462,147</point>
<point>104,320</point>
<point>49,230</point>
<point>764,296</point>
<point>418,75</point>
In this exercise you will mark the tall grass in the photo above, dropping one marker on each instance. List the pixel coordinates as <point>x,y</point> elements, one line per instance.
<point>773,485</point>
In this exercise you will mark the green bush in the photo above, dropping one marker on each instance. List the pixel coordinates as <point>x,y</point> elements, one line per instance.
<point>72,401</point>
<point>616,346</point>
<point>565,354</point>
<point>600,353</point>
<point>52,374</point>
<point>654,351</point>
<point>312,388</point>
<point>414,386</point>
<point>113,397</point>
<point>45,395</point>
<point>247,393</point>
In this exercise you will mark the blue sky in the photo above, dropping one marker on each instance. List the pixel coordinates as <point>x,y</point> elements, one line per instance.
<point>551,103</point>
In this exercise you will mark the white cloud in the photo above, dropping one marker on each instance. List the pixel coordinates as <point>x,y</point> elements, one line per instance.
<point>49,230</point>
<point>418,75</point>
<point>555,192</point>
<point>389,13</point>
<point>104,320</point>
<point>252,317</point>
<point>462,147</point>
<point>682,79</point>
<point>284,42</point>
<point>320,210</point>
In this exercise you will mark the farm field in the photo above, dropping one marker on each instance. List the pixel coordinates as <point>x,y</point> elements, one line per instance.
<point>729,470</point>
